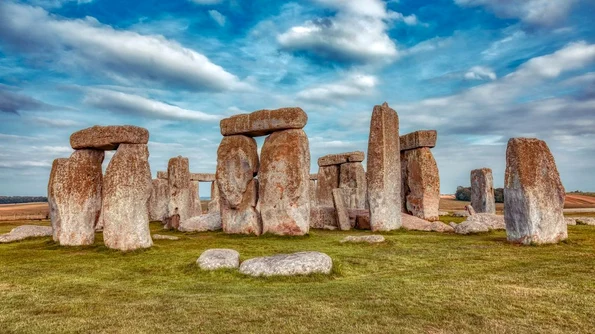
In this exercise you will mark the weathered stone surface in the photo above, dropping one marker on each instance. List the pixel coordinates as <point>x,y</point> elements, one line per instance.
<point>264,122</point>
<point>237,163</point>
<point>162,175</point>
<point>219,258</point>
<point>75,197</point>
<point>244,218</point>
<point>341,158</point>
<point>301,263</point>
<point>460,214</point>
<point>585,221</point>
<point>360,218</point>
<point>126,191</point>
<point>470,210</point>
<point>371,239</point>
<point>353,176</point>
<point>196,207</point>
<point>570,221</point>
<point>182,198</point>
<point>214,203</point>
<point>328,179</point>
<point>26,231</point>
<point>413,223</point>
<point>418,139</point>
<point>321,216</point>
<point>314,177</point>
<point>312,193</point>
<point>108,137</point>
<point>384,170</point>
<point>284,183</point>
<point>202,177</point>
<point>159,200</point>
<point>480,222</point>
<point>482,191</point>
<point>164,237</point>
<point>340,200</point>
<point>533,194</point>
<point>420,183</point>
<point>203,223</point>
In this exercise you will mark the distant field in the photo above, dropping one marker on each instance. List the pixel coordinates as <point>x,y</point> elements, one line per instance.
<point>573,201</point>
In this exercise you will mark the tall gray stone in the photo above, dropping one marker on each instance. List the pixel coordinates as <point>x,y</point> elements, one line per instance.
<point>384,170</point>
<point>482,191</point>
<point>215,198</point>
<point>533,194</point>
<point>126,191</point>
<point>328,179</point>
<point>182,201</point>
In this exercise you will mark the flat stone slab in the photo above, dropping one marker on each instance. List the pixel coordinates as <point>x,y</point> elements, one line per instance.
<point>264,122</point>
<point>413,223</point>
<point>164,237</point>
<point>202,177</point>
<point>418,139</point>
<point>300,263</point>
<point>372,239</point>
<point>207,222</point>
<point>570,221</point>
<point>480,222</point>
<point>108,137</point>
<point>24,232</point>
<point>219,258</point>
<point>585,221</point>
<point>341,158</point>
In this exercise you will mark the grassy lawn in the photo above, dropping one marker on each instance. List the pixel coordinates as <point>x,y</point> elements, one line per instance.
<point>414,283</point>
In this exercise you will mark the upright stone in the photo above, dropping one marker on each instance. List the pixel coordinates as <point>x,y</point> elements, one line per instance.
<point>284,181</point>
<point>76,197</point>
<point>328,179</point>
<point>384,170</point>
<point>533,194</point>
<point>214,202</point>
<point>352,176</point>
<point>127,188</point>
<point>339,197</point>
<point>482,191</point>
<point>237,163</point>
<point>312,193</point>
<point>181,205</point>
<point>159,199</point>
<point>420,184</point>
<point>196,207</point>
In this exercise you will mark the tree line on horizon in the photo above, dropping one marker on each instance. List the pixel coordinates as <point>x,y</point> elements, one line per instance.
<point>22,199</point>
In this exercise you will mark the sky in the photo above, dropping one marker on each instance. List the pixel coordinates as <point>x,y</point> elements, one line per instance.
<point>477,71</point>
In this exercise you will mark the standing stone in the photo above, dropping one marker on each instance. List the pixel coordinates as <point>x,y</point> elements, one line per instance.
<point>420,184</point>
<point>384,170</point>
<point>197,208</point>
<point>341,208</point>
<point>284,181</point>
<point>214,202</point>
<point>181,204</point>
<point>328,179</point>
<point>126,191</point>
<point>482,191</point>
<point>75,189</point>
<point>533,194</point>
<point>237,163</point>
<point>312,193</point>
<point>353,176</point>
<point>159,199</point>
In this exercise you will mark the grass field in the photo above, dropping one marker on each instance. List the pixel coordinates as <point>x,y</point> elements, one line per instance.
<point>414,283</point>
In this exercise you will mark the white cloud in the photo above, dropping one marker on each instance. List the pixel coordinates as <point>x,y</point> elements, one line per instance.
<point>354,86</point>
<point>535,12</point>
<point>356,33</point>
<point>217,17</point>
<point>60,123</point>
<point>138,105</point>
<point>98,48</point>
<point>480,73</point>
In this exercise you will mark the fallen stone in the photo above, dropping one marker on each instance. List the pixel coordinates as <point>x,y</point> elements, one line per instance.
<point>182,199</point>
<point>301,263</point>
<point>328,179</point>
<point>26,231</point>
<point>126,191</point>
<point>159,200</point>
<point>481,222</point>
<point>329,227</point>
<point>533,194</point>
<point>341,158</point>
<point>353,176</point>
<point>108,137</point>
<point>264,122</point>
<point>482,191</point>
<point>384,170</point>
<point>418,139</point>
<point>570,221</point>
<point>202,223</point>
<point>460,214</point>
<point>470,210</point>
<point>413,223</point>
<point>164,237</point>
<point>321,216</point>
<point>283,199</point>
<point>202,177</point>
<point>443,213</point>
<point>372,239</point>
<point>341,209</point>
<point>75,193</point>
<point>219,258</point>
<point>420,183</point>
<point>585,221</point>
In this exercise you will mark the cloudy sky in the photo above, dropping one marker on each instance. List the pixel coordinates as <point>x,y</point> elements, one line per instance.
<point>478,71</point>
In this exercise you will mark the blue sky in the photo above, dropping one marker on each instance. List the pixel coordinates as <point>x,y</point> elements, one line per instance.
<point>478,71</point>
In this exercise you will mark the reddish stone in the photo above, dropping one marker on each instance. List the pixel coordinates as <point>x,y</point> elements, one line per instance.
<point>328,179</point>
<point>108,137</point>
<point>420,184</point>
<point>341,158</point>
<point>264,122</point>
<point>352,176</point>
<point>418,139</point>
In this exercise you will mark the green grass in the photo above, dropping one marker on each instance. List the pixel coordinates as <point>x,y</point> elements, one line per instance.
<point>414,283</point>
